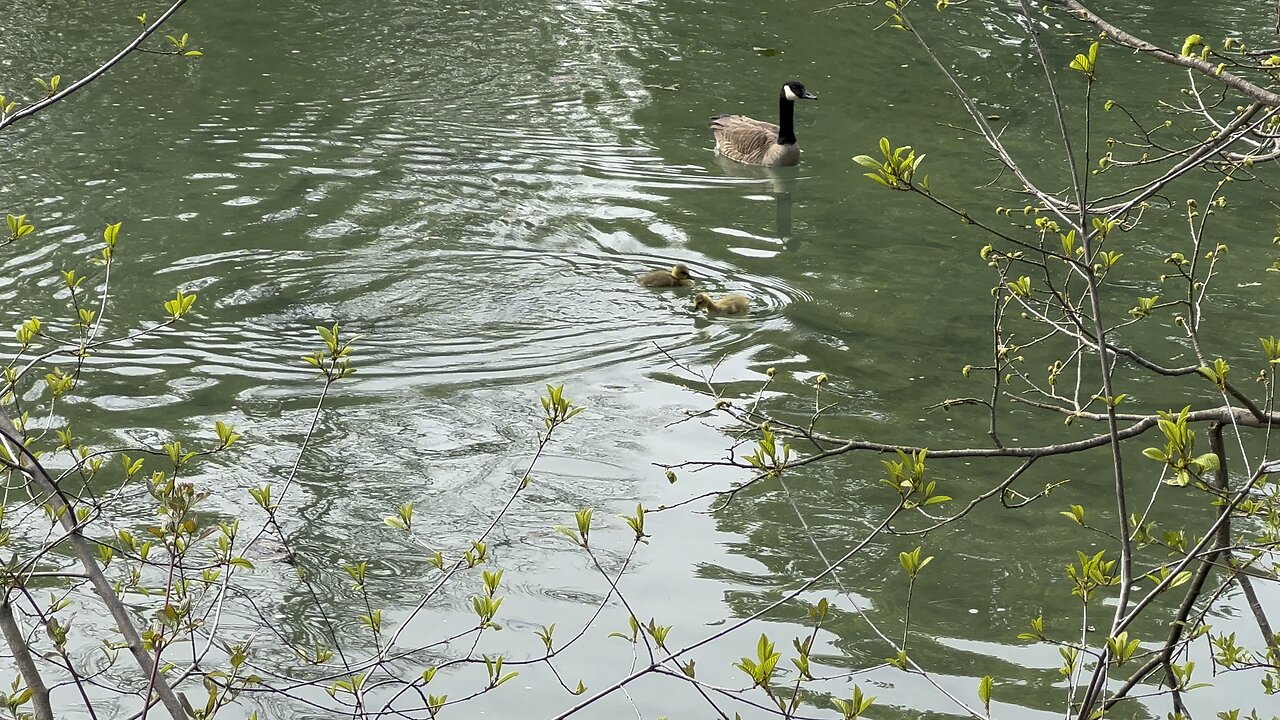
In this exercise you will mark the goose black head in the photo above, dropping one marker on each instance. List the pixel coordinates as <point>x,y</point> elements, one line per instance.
<point>795,90</point>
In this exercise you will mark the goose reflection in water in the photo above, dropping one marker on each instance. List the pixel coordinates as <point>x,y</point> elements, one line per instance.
<point>780,182</point>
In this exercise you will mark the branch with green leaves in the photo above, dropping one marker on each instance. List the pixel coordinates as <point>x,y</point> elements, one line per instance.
<point>55,92</point>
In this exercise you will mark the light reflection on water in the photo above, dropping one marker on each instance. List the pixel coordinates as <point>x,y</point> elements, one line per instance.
<point>483,229</point>
<point>475,192</point>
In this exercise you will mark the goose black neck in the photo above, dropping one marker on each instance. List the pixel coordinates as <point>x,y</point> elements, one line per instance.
<point>786,120</point>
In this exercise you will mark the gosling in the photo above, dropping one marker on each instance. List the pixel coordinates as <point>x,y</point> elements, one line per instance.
<point>729,304</point>
<point>677,276</point>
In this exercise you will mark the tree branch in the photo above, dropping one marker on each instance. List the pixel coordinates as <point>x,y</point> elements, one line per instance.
<point>26,664</point>
<point>36,107</point>
<point>1124,39</point>
<point>1224,414</point>
<point>84,552</point>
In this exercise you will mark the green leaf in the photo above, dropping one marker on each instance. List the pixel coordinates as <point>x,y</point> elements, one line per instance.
<point>1207,462</point>
<point>984,689</point>
<point>1189,45</point>
<point>1076,513</point>
<point>226,434</point>
<point>1086,63</point>
<point>1068,243</point>
<point>1155,454</point>
<point>569,533</point>
<point>180,304</point>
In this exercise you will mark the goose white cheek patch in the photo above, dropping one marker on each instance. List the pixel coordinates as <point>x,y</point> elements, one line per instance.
<point>786,90</point>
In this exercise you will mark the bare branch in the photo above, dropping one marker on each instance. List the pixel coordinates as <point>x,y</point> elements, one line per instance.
<point>26,664</point>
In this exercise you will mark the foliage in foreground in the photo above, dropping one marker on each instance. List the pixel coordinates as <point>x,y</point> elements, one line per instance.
<point>1063,354</point>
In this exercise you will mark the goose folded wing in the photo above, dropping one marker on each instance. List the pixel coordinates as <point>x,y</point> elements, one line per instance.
<point>738,136</point>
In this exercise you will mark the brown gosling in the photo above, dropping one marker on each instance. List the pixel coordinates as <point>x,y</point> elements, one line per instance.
<point>729,304</point>
<point>677,276</point>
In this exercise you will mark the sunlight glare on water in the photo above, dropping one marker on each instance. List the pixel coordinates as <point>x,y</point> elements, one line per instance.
<point>474,187</point>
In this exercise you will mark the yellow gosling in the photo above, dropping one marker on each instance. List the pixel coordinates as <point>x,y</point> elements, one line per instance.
<point>729,304</point>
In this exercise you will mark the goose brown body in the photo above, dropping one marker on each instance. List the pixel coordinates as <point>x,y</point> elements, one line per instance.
<point>751,141</point>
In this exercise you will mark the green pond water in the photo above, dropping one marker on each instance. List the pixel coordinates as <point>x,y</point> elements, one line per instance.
<point>473,186</point>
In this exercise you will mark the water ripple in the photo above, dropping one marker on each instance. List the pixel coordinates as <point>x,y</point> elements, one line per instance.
<point>507,313</point>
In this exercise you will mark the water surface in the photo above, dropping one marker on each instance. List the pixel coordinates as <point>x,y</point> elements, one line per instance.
<point>473,186</point>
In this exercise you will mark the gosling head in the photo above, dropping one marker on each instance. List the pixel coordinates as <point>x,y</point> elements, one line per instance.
<point>794,90</point>
<point>702,301</point>
<point>680,272</point>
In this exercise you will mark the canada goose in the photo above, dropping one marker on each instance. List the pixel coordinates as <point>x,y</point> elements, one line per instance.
<point>756,142</point>
<point>677,276</point>
<point>729,304</point>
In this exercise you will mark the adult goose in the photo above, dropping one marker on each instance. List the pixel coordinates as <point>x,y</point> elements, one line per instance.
<point>756,142</point>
